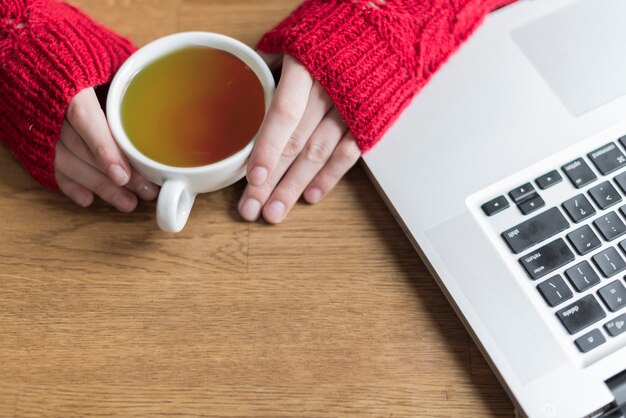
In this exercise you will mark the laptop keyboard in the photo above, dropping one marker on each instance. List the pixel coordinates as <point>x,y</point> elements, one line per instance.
<point>580,275</point>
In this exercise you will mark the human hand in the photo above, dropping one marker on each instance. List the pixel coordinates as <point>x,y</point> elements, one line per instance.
<point>303,148</point>
<point>88,161</point>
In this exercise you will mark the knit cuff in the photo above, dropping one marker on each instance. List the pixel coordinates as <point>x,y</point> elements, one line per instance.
<point>49,52</point>
<point>372,57</point>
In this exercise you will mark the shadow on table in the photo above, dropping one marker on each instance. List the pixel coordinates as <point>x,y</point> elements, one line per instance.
<point>28,195</point>
<point>425,287</point>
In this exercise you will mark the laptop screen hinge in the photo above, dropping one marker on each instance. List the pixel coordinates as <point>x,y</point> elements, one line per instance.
<point>617,386</point>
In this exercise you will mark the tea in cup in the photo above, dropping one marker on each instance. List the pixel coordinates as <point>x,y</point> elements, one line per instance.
<point>185,110</point>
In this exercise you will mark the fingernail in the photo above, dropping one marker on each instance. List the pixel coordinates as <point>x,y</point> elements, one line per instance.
<point>258,176</point>
<point>83,199</point>
<point>250,210</point>
<point>314,195</point>
<point>275,211</point>
<point>124,203</point>
<point>118,174</point>
<point>148,191</point>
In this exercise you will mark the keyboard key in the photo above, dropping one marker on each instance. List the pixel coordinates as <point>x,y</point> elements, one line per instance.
<point>546,259</point>
<point>610,226</point>
<point>584,240</point>
<point>535,230</point>
<point>622,245</point>
<point>620,179</point>
<point>590,340</point>
<point>622,141</point>
<point>616,326</point>
<point>531,204</point>
<point>579,173</point>
<point>605,195</point>
<point>548,180</point>
<point>579,208</point>
<point>623,210</point>
<point>522,193</point>
<point>554,291</point>
<point>580,314</point>
<point>495,205</point>
<point>609,262</point>
<point>607,159</point>
<point>582,276</point>
<point>613,295</point>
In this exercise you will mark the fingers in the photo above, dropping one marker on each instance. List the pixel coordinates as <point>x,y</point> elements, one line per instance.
<point>69,165</point>
<point>77,193</point>
<point>317,107</point>
<point>87,118</point>
<point>294,151</point>
<point>313,157</point>
<point>343,158</point>
<point>282,119</point>
<point>144,188</point>
<point>254,197</point>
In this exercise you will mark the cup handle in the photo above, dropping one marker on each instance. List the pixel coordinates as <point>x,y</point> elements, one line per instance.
<point>174,205</point>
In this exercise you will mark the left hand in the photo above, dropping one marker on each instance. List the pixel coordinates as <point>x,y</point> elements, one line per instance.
<point>303,148</point>
<point>88,162</point>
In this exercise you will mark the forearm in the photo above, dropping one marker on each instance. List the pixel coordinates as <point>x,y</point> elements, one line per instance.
<point>49,51</point>
<point>372,57</point>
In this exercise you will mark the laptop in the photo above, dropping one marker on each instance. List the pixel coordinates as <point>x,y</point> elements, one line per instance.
<point>508,174</point>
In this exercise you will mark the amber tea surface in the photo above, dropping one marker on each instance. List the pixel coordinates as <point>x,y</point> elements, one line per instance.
<point>193,107</point>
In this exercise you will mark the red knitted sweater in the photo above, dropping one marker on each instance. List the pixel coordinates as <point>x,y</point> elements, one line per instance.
<point>373,56</point>
<point>370,56</point>
<point>49,51</point>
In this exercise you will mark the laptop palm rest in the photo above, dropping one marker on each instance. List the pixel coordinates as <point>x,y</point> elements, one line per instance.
<point>494,295</point>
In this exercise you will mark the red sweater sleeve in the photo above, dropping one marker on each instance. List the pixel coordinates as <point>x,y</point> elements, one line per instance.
<point>49,51</point>
<point>372,57</point>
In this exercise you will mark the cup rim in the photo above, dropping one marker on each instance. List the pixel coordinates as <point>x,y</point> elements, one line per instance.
<point>159,48</point>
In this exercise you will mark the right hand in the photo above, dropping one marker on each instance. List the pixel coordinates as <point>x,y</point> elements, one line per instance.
<point>303,148</point>
<point>88,162</point>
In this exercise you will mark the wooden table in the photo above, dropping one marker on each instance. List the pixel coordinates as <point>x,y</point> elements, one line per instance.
<point>330,314</point>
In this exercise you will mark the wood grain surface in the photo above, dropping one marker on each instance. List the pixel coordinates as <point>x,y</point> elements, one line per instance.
<point>330,314</point>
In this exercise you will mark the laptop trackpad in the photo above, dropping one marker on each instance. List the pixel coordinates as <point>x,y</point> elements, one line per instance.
<point>580,51</point>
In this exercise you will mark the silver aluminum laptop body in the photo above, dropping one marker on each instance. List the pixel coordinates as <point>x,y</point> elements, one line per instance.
<point>541,84</point>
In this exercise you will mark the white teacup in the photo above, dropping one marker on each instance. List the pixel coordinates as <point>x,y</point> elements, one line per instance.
<point>181,185</point>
